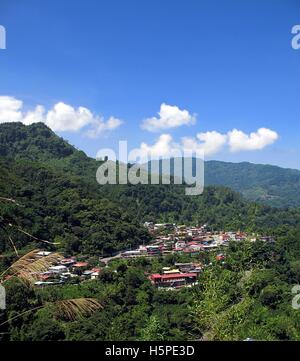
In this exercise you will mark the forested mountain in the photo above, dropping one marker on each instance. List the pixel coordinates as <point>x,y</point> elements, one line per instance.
<point>60,200</point>
<point>266,184</point>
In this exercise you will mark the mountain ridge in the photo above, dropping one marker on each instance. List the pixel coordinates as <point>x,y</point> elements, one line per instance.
<point>61,201</point>
<point>267,184</point>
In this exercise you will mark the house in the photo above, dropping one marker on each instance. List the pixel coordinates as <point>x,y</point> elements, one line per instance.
<point>220,257</point>
<point>87,273</point>
<point>177,280</point>
<point>46,275</point>
<point>191,251</point>
<point>43,253</point>
<point>95,274</point>
<point>160,226</point>
<point>67,261</point>
<point>187,267</point>
<point>171,271</point>
<point>58,269</point>
<point>80,265</point>
<point>47,283</point>
<point>180,244</point>
<point>153,250</point>
<point>128,254</point>
<point>142,249</point>
<point>67,275</point>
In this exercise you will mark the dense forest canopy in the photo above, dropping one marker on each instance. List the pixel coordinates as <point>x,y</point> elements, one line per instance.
<point>266,184</point>
<point>62,202</point>
<point>56,199</point>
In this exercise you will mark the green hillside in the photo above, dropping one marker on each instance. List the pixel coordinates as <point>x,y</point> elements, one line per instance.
<point>61,201</point>
<point>266,184</point>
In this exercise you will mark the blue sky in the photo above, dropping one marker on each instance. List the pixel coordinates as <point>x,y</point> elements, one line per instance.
<point>228,63</point>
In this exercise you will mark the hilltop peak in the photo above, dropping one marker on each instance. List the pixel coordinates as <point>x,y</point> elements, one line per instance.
<point>35,142</point>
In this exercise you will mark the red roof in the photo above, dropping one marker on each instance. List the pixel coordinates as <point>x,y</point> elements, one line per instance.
<point>45,276</point>
<point>191,250</point>
<point>80,264</point>
<point>173,276</point>
<point>96,269</point>
<point>156,275</point>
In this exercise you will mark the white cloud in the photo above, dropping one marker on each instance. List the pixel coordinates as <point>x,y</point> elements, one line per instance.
<point>34,116</point>
<point>169,117</point>
<point>210,142</point>
<point>163,147</point>
<point>10,109</point>
<point>239,141</point>
<point>100,126</point>
<point>205,143</point>
<point>62,117</point>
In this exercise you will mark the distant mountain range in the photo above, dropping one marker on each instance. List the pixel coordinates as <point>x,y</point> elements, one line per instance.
<point>267,184</point>
<point>61,201</point>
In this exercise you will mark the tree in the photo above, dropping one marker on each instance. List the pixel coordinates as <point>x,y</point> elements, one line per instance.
<point>153,330</point>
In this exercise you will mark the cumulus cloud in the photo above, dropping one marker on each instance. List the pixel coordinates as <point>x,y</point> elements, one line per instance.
<point>34,116</point>
<point>163,147</point>
<point>100,126</point>
<point>239,141</point>
<point>61,117</point>
<point>207,143</point>
<point>170,116</point>
<point>210,142</point>
<point>64,117</point>
<point>10,109</point>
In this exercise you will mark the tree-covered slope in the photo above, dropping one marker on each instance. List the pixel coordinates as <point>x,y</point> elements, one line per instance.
<point>60,200</point>
<point>34,142</point>
<point>267,184</point>
<point>64,209</point>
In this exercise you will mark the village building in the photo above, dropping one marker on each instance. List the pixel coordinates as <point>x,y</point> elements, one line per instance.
<point>177,280</point>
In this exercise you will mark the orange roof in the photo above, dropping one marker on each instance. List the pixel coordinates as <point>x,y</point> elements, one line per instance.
<point>96,269</point>
<point>80,264</point>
